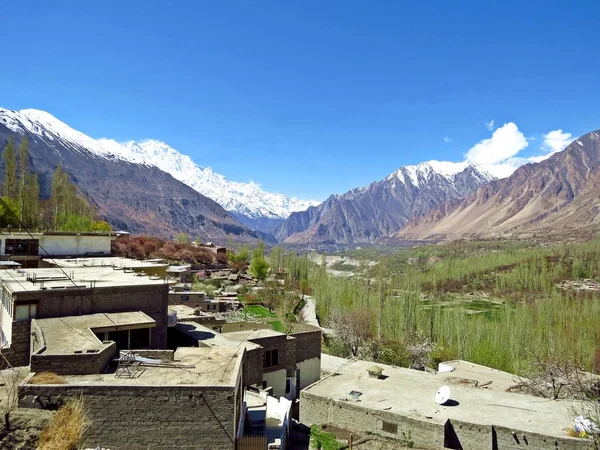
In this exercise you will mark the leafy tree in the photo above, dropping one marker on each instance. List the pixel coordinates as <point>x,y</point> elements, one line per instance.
<point>100,225</point>
<point>31,203</point>
<point>23,173</point>
<point>182,238</point>
<point>10,171</point>
<point>259,267</point>
<point>8,213</point>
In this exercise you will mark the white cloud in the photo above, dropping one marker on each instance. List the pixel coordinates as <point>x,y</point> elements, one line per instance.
<point>556,140</point>
<point>505,143</point>
<point>490,125</point>
<point>447,139</point>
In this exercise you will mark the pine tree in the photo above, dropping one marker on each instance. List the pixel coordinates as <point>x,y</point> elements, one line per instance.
<point>10,171</point>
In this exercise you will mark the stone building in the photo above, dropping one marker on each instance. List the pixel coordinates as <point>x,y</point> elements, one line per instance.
<point>191,398</point>
<point>399,406</point>
<point>282,363</point>
<point>26,294</point>
<point>28,248</point>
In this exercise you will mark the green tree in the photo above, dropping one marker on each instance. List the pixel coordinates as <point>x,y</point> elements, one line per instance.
<point>8,213</point>
<point>22,177</point>
<point>10,171</point>
<point>182,238</point>
<point>259,267</point>
<point>31,200</point>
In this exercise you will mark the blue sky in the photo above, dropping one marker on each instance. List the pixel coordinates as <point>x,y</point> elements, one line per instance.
<point>309,98</point>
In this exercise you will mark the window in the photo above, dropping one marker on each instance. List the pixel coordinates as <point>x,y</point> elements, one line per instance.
<point>185,298</point>
<point>270,358</point>
<point>288,385</point>
<point>22,247</point>
<point>26,311</point>
<point>389,427</point>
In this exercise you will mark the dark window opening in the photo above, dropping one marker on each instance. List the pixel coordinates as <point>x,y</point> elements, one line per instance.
<point>288,385</point>
<point>270,358</point>
<point>389,427</point>
<point>22,247</point>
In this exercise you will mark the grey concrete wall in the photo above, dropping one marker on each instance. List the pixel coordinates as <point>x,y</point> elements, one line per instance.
<point>150,417</point>
<point>425,434</point>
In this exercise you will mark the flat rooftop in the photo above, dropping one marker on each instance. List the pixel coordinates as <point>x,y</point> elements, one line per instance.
<point>31,280</point>
<point>193,366</point>
<point>109,261</point>
<point>411,393</point>
<point>207,337</point>
<point>67,335</point>
<point>187,312</point>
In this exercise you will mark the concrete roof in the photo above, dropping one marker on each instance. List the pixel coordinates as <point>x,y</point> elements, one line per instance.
<point>187,312</point>
<point>109,261</point>
<point>411,393</point>
<point>207,337</point>
<point>212,367</point>
<point>84,277</point>
<point>475,375</point>
<point>67,335</point>
<point>183,268</point>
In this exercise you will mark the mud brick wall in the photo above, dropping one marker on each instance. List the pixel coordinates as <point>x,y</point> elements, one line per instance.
<point>165,355</point>
<point>143,417</point>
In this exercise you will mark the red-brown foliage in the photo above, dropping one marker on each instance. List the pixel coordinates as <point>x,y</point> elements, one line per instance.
<point>143,247</point>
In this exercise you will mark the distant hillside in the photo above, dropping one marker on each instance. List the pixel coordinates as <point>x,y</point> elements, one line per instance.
<point>561,193</point>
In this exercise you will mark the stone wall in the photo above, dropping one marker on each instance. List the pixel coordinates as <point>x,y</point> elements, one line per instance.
<point>308,345</point>
<point>143,417</point>
<point>278,342</point>
<point>454,434</point>
<point>73,364</point>
<point>165,355</point>
<point>18,352</point>
<point>252,367</point>
<point>151,299</point>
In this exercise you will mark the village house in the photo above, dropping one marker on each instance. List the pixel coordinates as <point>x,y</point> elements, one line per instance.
<point>27,294</point>
<point>281,363</point>
<point>29,248</point>
<point>400,406</point>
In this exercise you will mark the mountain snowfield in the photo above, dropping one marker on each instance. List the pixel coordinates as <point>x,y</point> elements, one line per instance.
<point>420,174</point>
<point>246,199</point>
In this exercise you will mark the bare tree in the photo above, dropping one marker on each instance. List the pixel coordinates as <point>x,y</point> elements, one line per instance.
<point>9,396</point>
<point>352,328</point>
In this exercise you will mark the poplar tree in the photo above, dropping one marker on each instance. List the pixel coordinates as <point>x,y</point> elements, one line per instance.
<point>23,177</point>
<point>10,171</point>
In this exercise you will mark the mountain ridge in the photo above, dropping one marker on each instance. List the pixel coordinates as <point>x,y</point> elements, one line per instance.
<point>364,215</point>
<point>559,193</point>
<point>133,196</point>
<point>246,200</point>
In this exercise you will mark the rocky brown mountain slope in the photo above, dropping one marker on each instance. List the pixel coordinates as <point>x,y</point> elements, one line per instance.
<point>139,198</point>
<point>366,214</point>
<point>559,194</point>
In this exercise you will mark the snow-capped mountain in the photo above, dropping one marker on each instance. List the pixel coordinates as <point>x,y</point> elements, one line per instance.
<point>382,208</point>
<point>130,193</point>
<point>245,200</point>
